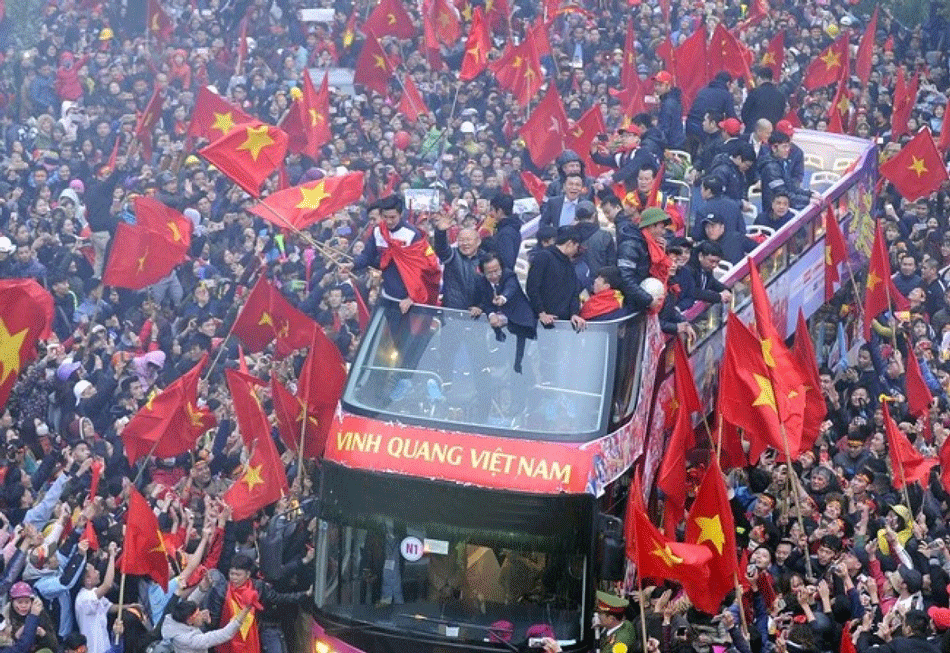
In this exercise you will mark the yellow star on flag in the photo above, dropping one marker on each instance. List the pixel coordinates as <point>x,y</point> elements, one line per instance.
<point>577,132</point>
<point>252,477</point>
<point>873,280</point>
<point>303,413</point>
<point>444,20</point>
<point>161,544</point>
<point>517,62</point>
<point>917,166</point>
<point>767,352</point>
<point>311,198</point>
<point>828,255</point>
<point>155,25</point>
<point>391,19</point>
<point>248,620</point>
<point>315,117</point>
<point>194,415</point>
<point>843,105</point>
<point>766,393</point>
<point>380,62</point>
<point>832,59</point>
<point>10,350</point>
<point>266,320</point>
<point>662,551</point>
<point>475,50</point>
<point>767,59</point>
<point>710,530</point>
<point>141,260</point>
<point>257,139</point>
<point>176,232</point>
<point>223,122</point>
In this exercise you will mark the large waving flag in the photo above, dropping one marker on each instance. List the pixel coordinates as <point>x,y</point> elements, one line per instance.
<point>248,154</point>
<point>298,207</point>
<point>26,316</point>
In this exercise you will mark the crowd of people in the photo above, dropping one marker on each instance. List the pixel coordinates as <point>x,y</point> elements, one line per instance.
<point>866,563</point>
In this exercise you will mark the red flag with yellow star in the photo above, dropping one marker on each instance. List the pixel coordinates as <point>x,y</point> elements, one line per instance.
<point>300,206</point>
<point>535,186</point>
<point>159,23</point>
<point>747,397</point>
<point>905,95</point>
<point>389,18</point>
<point>141,257</point>
<point>170,422</point>
<point>247,639</point>
<point>545,129</point>
<point>836,251</point>
<point>839,113</point>
<point>319,388</point>
<point>774,55</point>
<point>728,53</point>
<point>143,550</point>
<point>826,68</point>
<point>264,480</point>
<point>417,264</point>
<point>145,125</point>
<point>919,396</point>
<point>26,316</point>
<point>477,46</point>
<point>880,293</point>
<point>373,69</point>
<point>163,220</point>
<point>917,170</point>
<point>580,136</point>
<point>267,317</point>
<point>213,116</point>
<point>862,61</point>
<point>518,70</point>
<point>306,123</point>
<point>710,523</point>
<point>803,356</point>
<point>411,103</point>
<point>907,464</point>
<point>248,154</point>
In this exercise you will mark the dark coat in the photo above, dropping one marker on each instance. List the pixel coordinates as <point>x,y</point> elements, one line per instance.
<point>670,119</point>
<point>764,101</point>
<point>775,174</point>
<point>697,285</point>
<point>393,285</point>
<point>735,246</point>
<point>715,98</point>
<point>633,259</point>
<point>598,245</point>
<point>734,180</point>
<point>551,212</point>
<point>460,274</point>
<point>552,284</point>
<point>508,241</point>
<point>722,206</point>
<point>517,308</point>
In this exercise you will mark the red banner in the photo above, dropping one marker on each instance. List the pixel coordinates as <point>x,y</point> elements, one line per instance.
<point>486,461</point>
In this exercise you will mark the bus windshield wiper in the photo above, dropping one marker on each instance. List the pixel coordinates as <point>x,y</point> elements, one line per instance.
<point>497,632</point>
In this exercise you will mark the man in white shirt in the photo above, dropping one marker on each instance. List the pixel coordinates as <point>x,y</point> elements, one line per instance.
<point>92,606</point>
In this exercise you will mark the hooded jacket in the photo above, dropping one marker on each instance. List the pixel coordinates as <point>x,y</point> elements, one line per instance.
<point>189,639</point>
<point>670,119</point>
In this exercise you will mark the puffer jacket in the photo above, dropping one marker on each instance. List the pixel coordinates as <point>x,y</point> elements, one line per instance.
<point>633,259</point>
<point>188,639</point>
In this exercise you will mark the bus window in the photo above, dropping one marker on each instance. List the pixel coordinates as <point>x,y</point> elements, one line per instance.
<point>627,377</point>
<point>773,264</point>
<point>800,242</point>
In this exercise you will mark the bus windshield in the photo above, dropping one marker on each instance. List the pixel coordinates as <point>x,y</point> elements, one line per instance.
<point>437,366</point>
<point>439,565</point>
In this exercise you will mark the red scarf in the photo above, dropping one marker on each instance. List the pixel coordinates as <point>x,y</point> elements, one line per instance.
<point>417,265</point>
<point>660,262</point>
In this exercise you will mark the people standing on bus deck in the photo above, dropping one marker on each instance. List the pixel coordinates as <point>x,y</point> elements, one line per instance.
<point>553,289</point>
<point>716,98</point>
<point>606,303</point>
<point>615,629</point>
<point>699,282</point>
<point>506,305</point>
<point>731,167</point>
<point>559,211</point>
<point>507,238</point>
<point>733,246</point>
<point>634,261</point>
<point>390,228</point>
<point>670,119</point>
<point>777,213</point>
<point>775,173</point>
<point>765,100</point>
<point>460,283</point>
<point>597,245</point>
<point>716,202</point>
<point>796,155</point>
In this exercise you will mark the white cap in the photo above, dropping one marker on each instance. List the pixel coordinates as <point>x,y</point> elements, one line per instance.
<point>6,245</point>
<point>467,127</point>
<point>80,388</point>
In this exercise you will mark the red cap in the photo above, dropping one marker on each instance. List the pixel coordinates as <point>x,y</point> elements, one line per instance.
<point>663,77</point>
<point>632,128</point>
<point>941,617</point>
<point>786,128</point>
<point>731,126</point>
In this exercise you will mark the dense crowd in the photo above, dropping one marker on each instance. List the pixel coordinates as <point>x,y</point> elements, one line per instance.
<point>72,165</point>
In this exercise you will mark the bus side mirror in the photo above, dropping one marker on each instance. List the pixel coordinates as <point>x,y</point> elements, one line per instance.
<point>612,562</point>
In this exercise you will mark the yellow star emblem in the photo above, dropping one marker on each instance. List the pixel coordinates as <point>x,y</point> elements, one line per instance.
<point>379,62</point>
<point>475,50</point>
<point>828,255</point>
<point>767,59</point>
<point>155,25</point>
<point>391,19</point>
<point>304,414</point>
<point>248,620</point>
<point>194,415</point>
<point>266,320</point>
<point>832,59</point>
<point>257,139</point>
<point>843,105</point>
<point>176,232</point>
<point>529,74</point>
<point>315,117</point>
<point>577,132</point>
<point>917,166</point>
<point>444,20</point>
<point>766,393</point>
<point>10,345</point>
<point>663,552</point>
<point>517,62</point>
<point>223,122</point>
<point>141,260</point>
<point>873,280</point>
<point>161,544</point>
<point>767,352</point>
<point>467,13</point>
<point>252,477</point>
<point>311,198</point>
<point>148,402</point>
<point>710,530</point>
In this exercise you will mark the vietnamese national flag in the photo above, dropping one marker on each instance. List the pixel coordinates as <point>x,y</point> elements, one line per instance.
<point>264,480</point>
<point>145,125</point>
<point>545,129</point>
<point>518,70</point>
<point>444,19</point>
<point>170,422</point>
<point>727,53</point>
<point>774,55</point>
<point>306,123</point>
<point>747,396</point>
<point>671,477</point>
<point>373,69</point>
<point>907,464</point>
<point>389,18</point>
<point>839,111</point>
<point>319,388</point>
<point>143,549</point>
<point>290,413</point>
<point>417,264</point>
<point>710,523</point>
<point>159,23</point>
<point>603,302</point>
<point>248,154</point>
<point>163,220</point>
<point>826,68</point>
<point>880,292</point>
<point>919,396</point>
<point>836,251</point>
<point>803,356</point>
<point>905,95</point>
<point>582,134</point>
<point>141,257</point>
<point>267,317</point>
<point>248,638</point>
<point>691,74</point>
<point>918,169</point>
<point>535,186</point>
<point>213,116</point>
<point>862,61</point>
<point>26,316</point>
<point>475,60</point>
<point>411,103</point>
<point>629,76</point>
<point>667,53</point>
<point>686,393</point>
<point>300,206</point>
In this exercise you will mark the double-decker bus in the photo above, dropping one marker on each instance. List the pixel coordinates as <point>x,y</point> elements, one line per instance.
<point>466,506</point>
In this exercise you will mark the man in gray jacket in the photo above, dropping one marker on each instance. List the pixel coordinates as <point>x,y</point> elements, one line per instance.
<point>183,628</point>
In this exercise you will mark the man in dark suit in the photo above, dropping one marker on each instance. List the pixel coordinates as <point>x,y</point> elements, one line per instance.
<point>715,202</point>
<point>560,211</point>
<point>763,101</point>
<point>505,304</point>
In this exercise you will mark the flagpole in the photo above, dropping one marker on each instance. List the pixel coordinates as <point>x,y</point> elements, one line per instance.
<point>323,249</point>
<point>745,625</point>
<point>306,418</point>
<point>121,600</point>
<point>885,399</point>
<point>643,614</point>
<point>890,307</point>
<point>793,488</point>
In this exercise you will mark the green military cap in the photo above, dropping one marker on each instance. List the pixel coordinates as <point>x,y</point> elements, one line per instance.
<point>612,603</point>
<point>652,216</point>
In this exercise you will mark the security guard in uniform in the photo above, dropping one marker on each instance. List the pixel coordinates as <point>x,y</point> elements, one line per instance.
<point>617,634</point>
